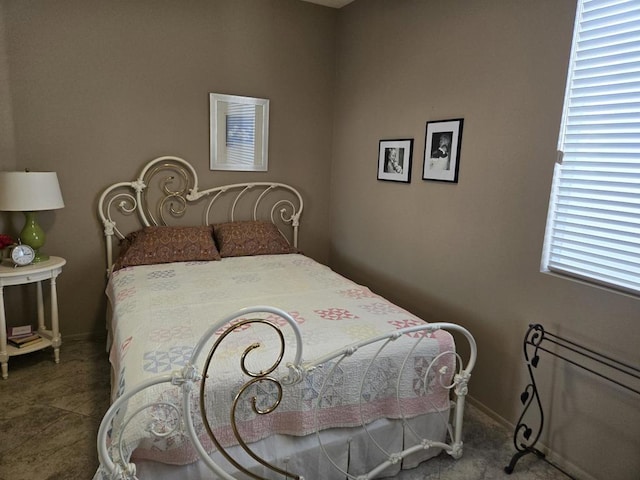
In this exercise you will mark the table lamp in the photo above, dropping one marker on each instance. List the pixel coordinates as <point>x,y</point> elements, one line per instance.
<point>30,192</point>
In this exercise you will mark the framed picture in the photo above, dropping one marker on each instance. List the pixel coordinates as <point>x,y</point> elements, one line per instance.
<point>442,150</point>
<point>239,134</point>
<point>394,160</point>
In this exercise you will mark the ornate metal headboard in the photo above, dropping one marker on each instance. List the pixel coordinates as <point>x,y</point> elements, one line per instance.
<point>166,192</point>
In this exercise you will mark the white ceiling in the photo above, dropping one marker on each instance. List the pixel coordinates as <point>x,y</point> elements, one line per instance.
<point>330,3</point>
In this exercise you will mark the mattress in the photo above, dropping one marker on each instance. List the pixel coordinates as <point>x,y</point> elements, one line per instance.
<point>159,313</point>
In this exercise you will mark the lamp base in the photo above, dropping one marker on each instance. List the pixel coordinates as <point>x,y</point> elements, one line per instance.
<point>40,257</point>
<point>33,235</point>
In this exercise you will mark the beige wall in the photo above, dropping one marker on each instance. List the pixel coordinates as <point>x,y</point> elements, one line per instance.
<point>99,87</point>
<point>470,252</point>
<point>7,148</point>
<point>16,299</point>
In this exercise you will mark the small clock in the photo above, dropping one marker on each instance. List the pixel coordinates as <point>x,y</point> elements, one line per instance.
<point>22,255</point>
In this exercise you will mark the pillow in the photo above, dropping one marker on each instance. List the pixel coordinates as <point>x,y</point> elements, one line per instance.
<point>237,239</point>
<point>167,244</point>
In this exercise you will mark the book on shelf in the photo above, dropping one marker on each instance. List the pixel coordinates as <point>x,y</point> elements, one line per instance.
<point>24,340</point>
<point>19,331</point>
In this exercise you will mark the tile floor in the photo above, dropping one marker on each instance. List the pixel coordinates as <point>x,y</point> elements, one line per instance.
<point>49,416</point>
<point>50,413</point>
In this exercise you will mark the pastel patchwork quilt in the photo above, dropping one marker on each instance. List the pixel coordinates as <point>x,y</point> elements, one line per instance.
<point>161,311</point>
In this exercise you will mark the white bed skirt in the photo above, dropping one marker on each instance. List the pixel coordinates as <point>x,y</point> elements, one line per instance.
<point>349,448</point>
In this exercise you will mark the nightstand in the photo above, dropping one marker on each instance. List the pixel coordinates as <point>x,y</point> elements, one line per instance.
<point>35,273</point>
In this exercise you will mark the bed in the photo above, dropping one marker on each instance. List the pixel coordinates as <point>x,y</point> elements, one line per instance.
<point>234,355</point>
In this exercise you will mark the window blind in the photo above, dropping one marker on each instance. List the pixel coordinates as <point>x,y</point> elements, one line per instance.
<point>593,226</point>
<point>241,133</point>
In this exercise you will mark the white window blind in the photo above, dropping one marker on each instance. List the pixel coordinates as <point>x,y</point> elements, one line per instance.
<point>241,133</point>
<point>593,227</point>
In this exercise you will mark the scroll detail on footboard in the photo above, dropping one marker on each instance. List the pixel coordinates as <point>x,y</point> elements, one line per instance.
<point>402,375</point>
<point>166,192</point>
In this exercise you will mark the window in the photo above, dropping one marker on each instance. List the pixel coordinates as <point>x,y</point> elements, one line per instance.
<point>593,227</point>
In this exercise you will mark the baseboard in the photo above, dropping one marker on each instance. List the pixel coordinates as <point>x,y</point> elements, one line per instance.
<point>551,456</point>
<point>490,413</point>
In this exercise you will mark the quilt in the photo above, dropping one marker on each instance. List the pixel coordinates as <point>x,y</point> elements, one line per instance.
<point>160,311</point>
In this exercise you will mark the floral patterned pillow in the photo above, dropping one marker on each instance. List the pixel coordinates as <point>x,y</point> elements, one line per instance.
<point>153,245</point>
<point>235,239</point>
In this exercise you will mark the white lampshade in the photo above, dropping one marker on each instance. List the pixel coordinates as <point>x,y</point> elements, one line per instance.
<point>29,191</point>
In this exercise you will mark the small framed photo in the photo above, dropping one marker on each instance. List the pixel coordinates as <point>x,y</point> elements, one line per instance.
<point>394,160</point>
<point>442,150</point>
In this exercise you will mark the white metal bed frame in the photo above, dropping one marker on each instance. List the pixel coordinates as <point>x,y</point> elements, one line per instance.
<point>180,190</point>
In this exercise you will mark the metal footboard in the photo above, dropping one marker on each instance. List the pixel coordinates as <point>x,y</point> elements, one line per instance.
<point>164,417</point>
